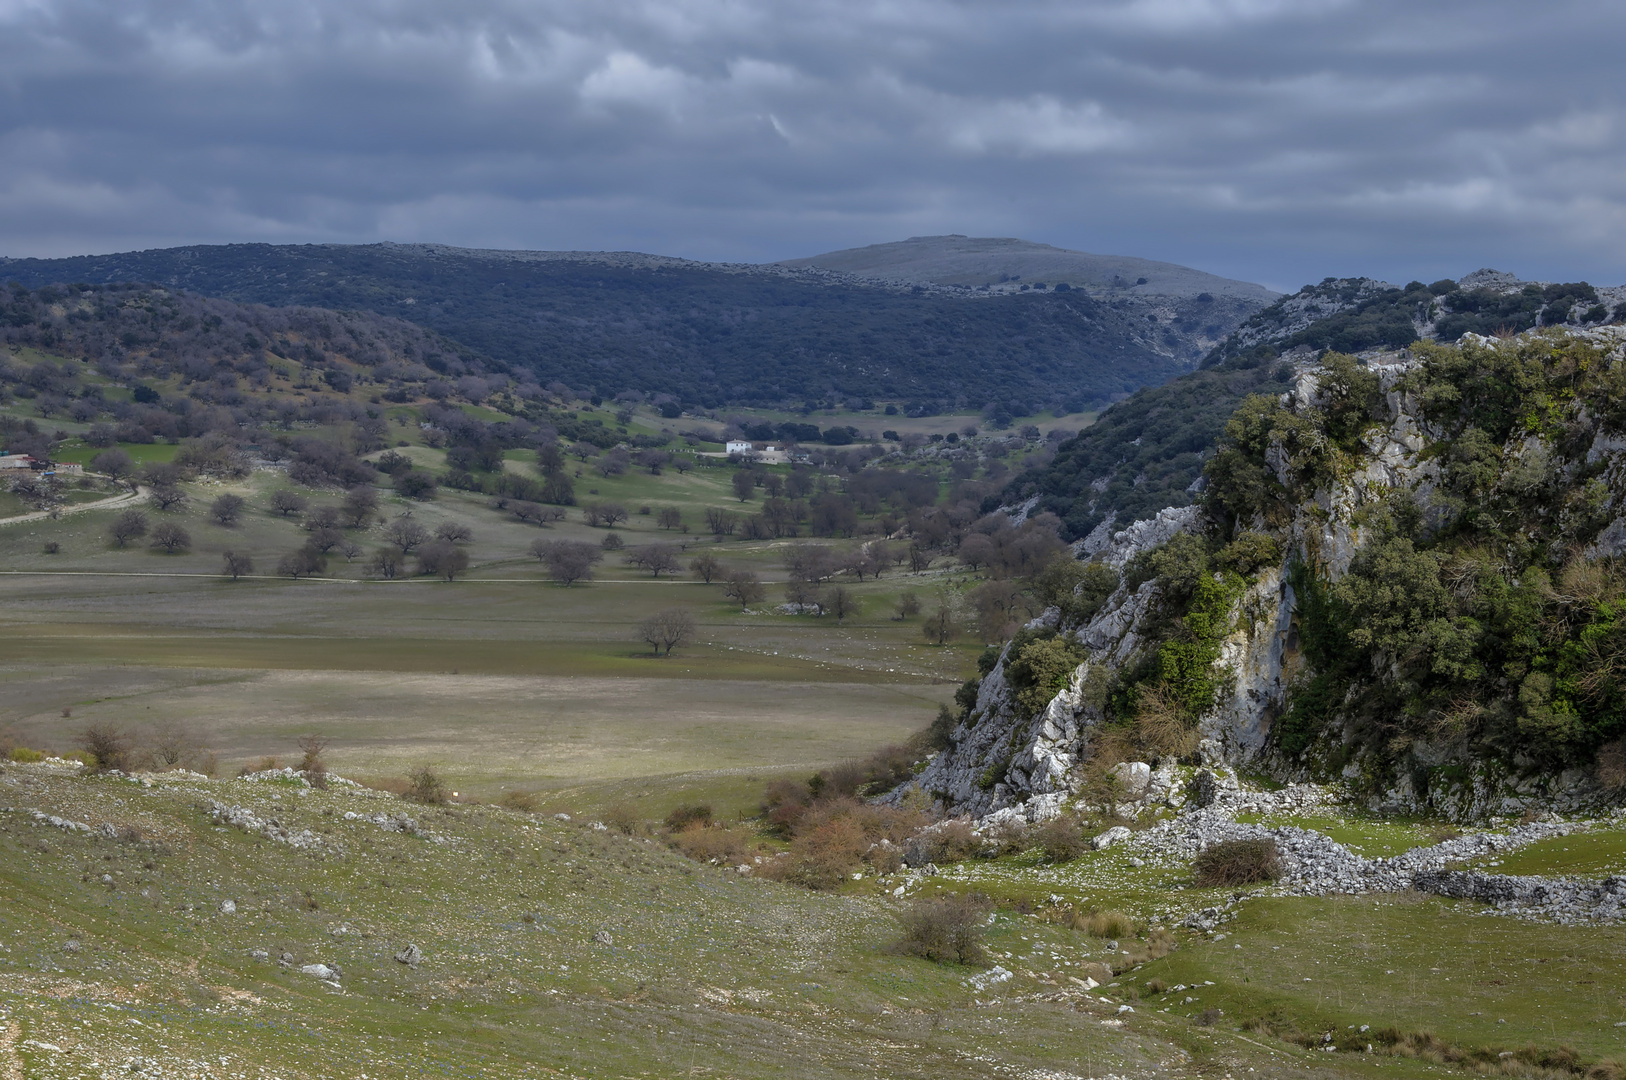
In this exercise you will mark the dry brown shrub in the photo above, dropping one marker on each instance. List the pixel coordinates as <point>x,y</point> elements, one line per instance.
<point>1105,924</point>
<point>1237,862</point>
<point>107,746</point>
<point>945,929</point>
<point>823,857</point>
<point>725,847</point>
<point>623,817</point>
<point>1006,838</point>
<point>425,785</point>
<point>1162,726</point>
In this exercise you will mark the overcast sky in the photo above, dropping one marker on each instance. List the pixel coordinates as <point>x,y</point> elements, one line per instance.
<point>1279,141</point>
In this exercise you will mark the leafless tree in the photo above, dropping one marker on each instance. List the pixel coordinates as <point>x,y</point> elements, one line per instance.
<point>130,525</point>
<point>359,506</point>
<point>108,747</point>
<point>670,628</point>
<point>227,509</point>
<point>721,522</point>
<point>386,563</point>
<point>841,602</point>
<point>302,563</point>
<point>453,532</point>
<point>116,465</point>
<point>653,460</point>
<point>744,484</point>
<point>658,559</point>
<point>568,561</point>
<point>745,587</point>
<point>168,496</point>
<point>443,559</point>
<point>939,627</point>
<point>288,503</point>
<point>237,564</point>
<point>705,566</point>
<point>669,517</point>
<point>406,534</point>
<point>171,537</point>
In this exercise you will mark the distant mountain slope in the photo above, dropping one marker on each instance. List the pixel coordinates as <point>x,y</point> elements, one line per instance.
<point>1146,453</point>
<point>706,334</point>
<point>1007,263</point>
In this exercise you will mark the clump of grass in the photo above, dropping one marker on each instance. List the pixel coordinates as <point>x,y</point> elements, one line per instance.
<point>1237,862</point>
<point>425,785</point>
<point>1156,986</point>
<point>23,755</point>
<point>945,929</point>
<point>1105,924</point>
<point>1061,839</point>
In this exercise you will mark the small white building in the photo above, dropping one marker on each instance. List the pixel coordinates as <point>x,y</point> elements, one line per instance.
<point>737,447</point>
<point>23,461</point>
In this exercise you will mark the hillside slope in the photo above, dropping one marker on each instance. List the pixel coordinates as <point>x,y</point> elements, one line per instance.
<point>706,334</point>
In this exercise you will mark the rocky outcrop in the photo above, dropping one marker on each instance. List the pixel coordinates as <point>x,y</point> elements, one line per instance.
<point>1003,761</point>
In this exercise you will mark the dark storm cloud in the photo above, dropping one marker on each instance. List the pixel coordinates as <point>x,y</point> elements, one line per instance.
<point>1278,140</point>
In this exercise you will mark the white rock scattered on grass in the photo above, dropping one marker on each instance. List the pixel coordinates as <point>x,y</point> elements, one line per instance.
<point>228,907</point>
<point>603,938</point>
<point>411,956</point>
<point>261,955</point>
<point>320,971</point>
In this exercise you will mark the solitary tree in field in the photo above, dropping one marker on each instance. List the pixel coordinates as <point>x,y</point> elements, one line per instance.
<point>237,564</point>
<point>227,509</point>
<point>744,484</point>
<point>670,628</point>
<point>705,566</point>
<point>745,587</point>
<point>669,517</point>
<point>130,525</point>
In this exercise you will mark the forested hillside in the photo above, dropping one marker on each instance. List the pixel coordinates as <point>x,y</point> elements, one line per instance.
<point>704,334</point>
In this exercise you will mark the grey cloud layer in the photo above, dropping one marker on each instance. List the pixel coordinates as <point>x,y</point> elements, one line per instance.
<point>1277,140</point>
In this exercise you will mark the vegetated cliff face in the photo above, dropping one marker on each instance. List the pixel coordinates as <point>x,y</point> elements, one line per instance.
<point>1404,575</point>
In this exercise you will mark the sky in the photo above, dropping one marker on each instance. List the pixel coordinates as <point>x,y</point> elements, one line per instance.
<point>1278,141</point>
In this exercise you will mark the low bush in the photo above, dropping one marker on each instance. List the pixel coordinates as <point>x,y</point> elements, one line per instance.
<point>1237,862</point>
<point>23,755</point>
<point>106,746</point>
<point>425,785</point>
<point>1061,839</point>
<point>945,929</point>
<point>623,817</point>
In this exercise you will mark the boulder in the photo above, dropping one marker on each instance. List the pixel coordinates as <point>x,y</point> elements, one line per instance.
<point>1134,777</point>
<point>321,971</point>
<point>1110,837</point>
<point>411,956</point>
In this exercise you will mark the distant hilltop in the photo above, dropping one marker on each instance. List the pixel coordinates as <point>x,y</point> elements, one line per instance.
<point>1004,264</point>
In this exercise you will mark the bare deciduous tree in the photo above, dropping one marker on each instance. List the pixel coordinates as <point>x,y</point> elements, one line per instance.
<point>744,587</point>
<point>130,525</point>
<point>669,517</point>
<point>288,503</point>
<point>406,534</point>
<point>386,563</point>
<point>658,559</point>
<point>568,561</point>
<point>237,564</point>
<point>171,537</point>
<point>359,506</point>
<point>227,509</point>
<point>443,559</point>
<point>168,497</point>
<point>453,532</point>
<point>670,628</point>
<point>705,566</point>
<point>841,602</point>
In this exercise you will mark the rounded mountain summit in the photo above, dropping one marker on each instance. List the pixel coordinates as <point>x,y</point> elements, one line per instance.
<point>1006,264</point>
